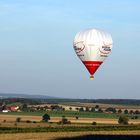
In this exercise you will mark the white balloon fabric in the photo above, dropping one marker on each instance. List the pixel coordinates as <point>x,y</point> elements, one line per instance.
<point>92,46</point>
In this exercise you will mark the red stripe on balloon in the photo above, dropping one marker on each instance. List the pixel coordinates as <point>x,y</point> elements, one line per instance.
<point>92,66</point>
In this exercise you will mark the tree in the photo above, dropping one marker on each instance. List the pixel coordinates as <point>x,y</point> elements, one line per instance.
<point>119,111</point>
<point>81,109</point>
<point>87,109</point>
<point>77,108</point>
<point>4,107</point>
<point>25,107</point>
<point>46,117</point>
<point>137,112</point>
<point>70,108</point>
<point>97,106</point>
<point>125,111</point>
<point>131,112</point>
<point>111,109</point>
<point>100,110</point>
<point>123,120</point>
<point>92,109</point>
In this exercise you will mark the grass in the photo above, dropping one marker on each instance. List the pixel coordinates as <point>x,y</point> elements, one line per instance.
<point>70,114</point>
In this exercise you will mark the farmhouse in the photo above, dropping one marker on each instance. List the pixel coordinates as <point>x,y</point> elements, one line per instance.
<point>14,108</point>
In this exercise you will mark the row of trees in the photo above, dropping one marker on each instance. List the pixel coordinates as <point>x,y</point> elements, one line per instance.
<point>42,108</point>
<point>126,111</point>
<point>109,110</point>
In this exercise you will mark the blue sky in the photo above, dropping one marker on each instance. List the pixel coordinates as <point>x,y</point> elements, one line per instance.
<point>36,48</point>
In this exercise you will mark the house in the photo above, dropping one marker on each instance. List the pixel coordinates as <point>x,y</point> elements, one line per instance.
<point>5,111</point>
<point>14,108</point>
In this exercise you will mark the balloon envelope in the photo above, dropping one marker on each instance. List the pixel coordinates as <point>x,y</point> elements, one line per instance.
<point>92,46</point>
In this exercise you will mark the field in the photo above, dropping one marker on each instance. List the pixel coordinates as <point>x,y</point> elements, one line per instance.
<point>83,117</point>
<point>70,114</point>
<point>56,135</point>
<point>31,126</point>
<point>103,106</point>
<point>12,118</point>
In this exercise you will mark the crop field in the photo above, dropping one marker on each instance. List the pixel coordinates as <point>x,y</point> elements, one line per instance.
<point>31,126</point>
<point>70,114</point>
<point>56,135</point>
<point>12,118</point>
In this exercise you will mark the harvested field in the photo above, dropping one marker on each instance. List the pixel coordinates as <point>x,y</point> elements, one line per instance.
<point>23,117</point>
<point>103,106</point>
<point>12,118</point>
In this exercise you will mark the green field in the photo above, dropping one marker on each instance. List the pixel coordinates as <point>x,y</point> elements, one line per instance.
<point>69,129</point>
<point>72,114</point>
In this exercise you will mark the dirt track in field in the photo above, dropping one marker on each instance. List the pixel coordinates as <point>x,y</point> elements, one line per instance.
<point>57,119</point>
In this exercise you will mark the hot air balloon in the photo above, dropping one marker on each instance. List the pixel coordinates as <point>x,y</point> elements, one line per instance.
<point>92,46</point>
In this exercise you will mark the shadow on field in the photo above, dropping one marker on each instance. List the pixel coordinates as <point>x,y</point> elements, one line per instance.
<point>103,137</point>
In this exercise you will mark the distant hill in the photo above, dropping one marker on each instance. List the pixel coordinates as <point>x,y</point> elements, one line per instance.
<point>135,102</point>
<point>27,96</point>
<point>51,99</point>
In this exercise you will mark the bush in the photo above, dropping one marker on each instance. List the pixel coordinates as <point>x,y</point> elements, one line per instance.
<point>18,119</point>
<point>134,117</point>
<point>77,117</point>
<point>28,121</point>
<point>15,124</point>
<point>94,123</point>
<point>4,121</point>
<point>123,120</point>
<point>64,121</point>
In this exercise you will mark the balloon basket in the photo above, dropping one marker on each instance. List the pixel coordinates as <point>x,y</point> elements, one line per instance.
<point>91,77</point>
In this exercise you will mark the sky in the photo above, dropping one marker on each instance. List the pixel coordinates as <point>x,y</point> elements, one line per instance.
<point>37,55</point>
